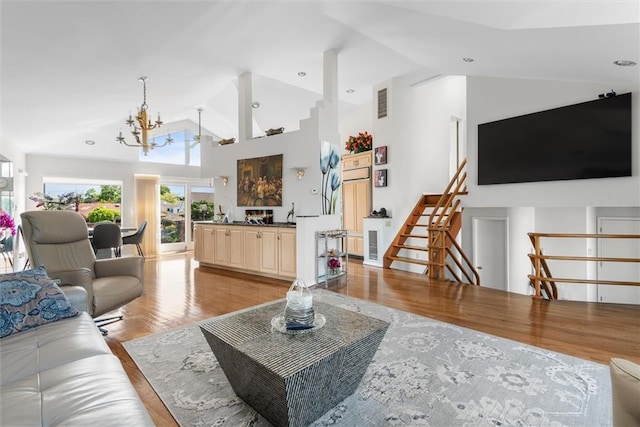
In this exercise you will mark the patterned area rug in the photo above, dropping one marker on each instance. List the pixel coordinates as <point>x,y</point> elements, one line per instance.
<point>425,373</point>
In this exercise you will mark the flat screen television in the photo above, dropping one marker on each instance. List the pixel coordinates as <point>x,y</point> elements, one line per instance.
<point>587,140</point>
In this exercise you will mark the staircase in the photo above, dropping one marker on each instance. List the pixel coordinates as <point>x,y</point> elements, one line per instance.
<point>428,236</point>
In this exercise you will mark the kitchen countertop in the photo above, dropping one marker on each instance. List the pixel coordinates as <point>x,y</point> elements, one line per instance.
<point>243,223</point>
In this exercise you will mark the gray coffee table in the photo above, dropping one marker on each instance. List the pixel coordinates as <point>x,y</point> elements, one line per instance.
<point>292,380</point>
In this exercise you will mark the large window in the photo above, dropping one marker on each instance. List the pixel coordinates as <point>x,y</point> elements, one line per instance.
<point>94,200</point>
<point>182,151</point>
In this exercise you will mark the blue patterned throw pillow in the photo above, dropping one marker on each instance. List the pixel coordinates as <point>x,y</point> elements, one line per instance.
<point>30,298</point>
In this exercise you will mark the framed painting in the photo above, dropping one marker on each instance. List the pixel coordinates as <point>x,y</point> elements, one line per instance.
<point>380,178</point>
<point>260,181</point>
<point>380,155</point>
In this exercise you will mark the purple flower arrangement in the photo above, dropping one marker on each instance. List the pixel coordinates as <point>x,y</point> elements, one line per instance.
<point>333,264</point>
<point>7,223</point>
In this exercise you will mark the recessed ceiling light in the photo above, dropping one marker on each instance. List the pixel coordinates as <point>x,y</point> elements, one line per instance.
<point>624,63</point>
<point>467,59</point>
<point>90,142</point>
<point>255,104</point>
<point>301,73</point>
<point>350,90</point>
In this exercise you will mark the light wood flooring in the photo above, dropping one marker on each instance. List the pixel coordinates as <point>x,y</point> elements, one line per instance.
<point>178,292</point>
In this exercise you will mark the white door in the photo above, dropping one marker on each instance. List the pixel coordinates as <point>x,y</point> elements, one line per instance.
<point>173,217</point>
<point>623,271</point>
<point>490,251</point>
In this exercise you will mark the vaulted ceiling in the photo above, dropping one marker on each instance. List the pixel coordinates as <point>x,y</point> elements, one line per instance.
<point>70,68</point>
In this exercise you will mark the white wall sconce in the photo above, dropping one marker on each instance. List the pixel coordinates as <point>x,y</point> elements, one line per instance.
<point>299,170</point>
<point>223,178</point>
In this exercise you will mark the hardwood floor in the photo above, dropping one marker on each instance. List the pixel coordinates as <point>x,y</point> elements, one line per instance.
<point>178,292</point>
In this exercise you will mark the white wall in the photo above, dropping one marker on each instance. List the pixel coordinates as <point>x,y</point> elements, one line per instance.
<point>417,135</point>
<point>299,148</point>
<point>521,222</point>
<point>556,206</point>
<point>490,99</point>
<point>359,120</point>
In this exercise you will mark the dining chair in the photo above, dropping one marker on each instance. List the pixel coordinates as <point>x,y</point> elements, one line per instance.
<point>6,248</point>
<point>27,264</point>
<point>136,238</point>
<point>107,236</point>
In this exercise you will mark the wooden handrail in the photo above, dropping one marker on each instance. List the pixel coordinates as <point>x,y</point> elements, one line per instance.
<point>587,281</point>
<point>552,293</point>
<point>586,235</point>
<point>446,196</point>
<point>466,259</point>
<point>583,258</point>
<point>441,241</point>
<point>539,261</point>
<point>442,212</point>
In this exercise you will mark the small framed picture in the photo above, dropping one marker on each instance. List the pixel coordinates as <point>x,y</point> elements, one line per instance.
<point>381,178</point>
<point>381,155</point>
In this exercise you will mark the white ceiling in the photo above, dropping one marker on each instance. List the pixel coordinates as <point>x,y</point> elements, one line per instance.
<point>70,68</point>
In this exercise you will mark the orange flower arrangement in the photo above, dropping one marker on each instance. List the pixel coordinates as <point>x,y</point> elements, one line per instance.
<point>361,142</point>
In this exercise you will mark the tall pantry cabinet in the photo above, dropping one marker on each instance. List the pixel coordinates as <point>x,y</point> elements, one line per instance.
<point>356,197</point>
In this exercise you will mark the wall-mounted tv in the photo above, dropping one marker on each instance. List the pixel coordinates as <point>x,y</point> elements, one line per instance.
<point>587,140</point>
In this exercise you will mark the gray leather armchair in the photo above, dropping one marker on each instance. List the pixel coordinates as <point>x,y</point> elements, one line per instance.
<point>59,240</point>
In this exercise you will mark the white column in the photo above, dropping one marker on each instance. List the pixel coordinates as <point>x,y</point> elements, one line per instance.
<point>328,123</point>
<point>245,114</point>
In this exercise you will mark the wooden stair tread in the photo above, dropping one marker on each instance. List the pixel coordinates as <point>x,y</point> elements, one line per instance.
<point>417,236</point>
<point>428,226</point>
<point>413,248</point>
<point>411,260</point>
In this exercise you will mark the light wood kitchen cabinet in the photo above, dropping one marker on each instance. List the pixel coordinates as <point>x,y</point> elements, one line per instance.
<point>204,243</point>
<point>261,249</point>
<point>252,248</point>
<point>229,246</point>
<point>221,251</point>
<point>356,197</point>
<point>269,251</point>
<point>287,252</point>
<point>356,161</point>
<point>236,250</point>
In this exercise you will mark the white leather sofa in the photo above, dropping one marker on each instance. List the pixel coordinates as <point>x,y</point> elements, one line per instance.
<point>63,373</point>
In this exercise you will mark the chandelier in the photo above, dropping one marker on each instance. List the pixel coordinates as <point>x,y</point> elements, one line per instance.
<point>142,125</point>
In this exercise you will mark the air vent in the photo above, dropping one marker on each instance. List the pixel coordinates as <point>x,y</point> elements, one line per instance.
<point>373,245</point>
<point>382,103</point>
